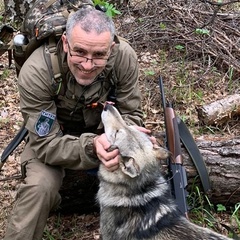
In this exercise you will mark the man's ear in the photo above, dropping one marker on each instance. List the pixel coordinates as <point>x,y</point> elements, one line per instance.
<point>64,41</point>
<point>112,46</point>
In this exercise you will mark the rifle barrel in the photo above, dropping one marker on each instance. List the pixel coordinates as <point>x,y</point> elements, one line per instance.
<point>177,170</point>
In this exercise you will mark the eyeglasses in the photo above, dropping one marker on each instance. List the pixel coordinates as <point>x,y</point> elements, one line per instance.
<point>78,58</point>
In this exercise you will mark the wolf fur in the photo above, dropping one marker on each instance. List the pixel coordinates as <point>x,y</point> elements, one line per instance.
<point>135,201</point>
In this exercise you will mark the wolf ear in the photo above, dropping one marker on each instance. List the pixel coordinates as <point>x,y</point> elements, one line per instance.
<point>129,167</point>
<point>160,153</point>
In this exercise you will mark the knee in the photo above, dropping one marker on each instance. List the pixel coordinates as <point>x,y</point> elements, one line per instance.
<point>46,186</point>
<point>42,187</point>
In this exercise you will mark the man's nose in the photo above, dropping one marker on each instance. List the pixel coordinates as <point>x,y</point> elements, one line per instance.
<point>87,64</point>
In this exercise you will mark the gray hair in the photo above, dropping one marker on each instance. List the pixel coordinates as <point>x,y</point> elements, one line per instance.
<point>90,19</point>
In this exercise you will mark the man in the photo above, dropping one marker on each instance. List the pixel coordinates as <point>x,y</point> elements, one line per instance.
<point>65,132</point>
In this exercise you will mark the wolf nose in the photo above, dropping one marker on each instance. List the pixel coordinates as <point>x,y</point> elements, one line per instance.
<point>106,107</point>
<point>107,104</point>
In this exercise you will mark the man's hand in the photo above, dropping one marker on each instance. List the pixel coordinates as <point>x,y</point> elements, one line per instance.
<point>109,159</point>
<point>148,132</point>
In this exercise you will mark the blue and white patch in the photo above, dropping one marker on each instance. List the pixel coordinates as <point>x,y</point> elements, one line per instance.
<point>44,123</point>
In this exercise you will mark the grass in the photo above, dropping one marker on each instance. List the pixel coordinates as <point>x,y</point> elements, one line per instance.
<point>188,85</point>
<point>4,74</point>
<point>216,217</point>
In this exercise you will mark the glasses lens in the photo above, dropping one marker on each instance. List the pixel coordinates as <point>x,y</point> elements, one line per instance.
<point>95,61</point>
<point>99,61</point>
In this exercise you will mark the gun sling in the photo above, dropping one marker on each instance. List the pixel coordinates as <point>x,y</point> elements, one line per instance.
<point>190,145</point>
<point>13,144</point>
<point>192,149</point>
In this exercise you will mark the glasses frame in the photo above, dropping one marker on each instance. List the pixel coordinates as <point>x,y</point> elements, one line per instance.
<point>86,59</point>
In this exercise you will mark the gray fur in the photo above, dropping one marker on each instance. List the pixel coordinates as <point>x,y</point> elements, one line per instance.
<point>135,200</point>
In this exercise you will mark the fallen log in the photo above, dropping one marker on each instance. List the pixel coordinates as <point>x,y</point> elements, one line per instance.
<point>222,159</point>
<point>220,111</point>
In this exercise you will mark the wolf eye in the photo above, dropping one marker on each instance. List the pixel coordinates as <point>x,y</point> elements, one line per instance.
<point>116,133</point>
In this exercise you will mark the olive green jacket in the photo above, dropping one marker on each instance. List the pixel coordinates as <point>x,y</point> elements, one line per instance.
<point>61,115</point>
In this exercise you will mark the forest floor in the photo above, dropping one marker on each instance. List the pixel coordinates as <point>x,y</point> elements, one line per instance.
<point>188,83</point>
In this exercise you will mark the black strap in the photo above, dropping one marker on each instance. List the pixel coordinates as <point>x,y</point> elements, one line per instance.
<point>191,146</point>
<point>13,144</point>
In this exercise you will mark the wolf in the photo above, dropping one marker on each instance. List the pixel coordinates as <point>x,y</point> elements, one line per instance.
<point>135,200</point>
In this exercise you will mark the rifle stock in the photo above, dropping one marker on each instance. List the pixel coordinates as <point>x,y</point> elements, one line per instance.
<point>173,138</point>
<point>176,169</point>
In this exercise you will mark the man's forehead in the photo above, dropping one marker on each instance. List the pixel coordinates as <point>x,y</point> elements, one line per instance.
<point>82,39</point>
<point>83,47</point>
<point>77,31</point>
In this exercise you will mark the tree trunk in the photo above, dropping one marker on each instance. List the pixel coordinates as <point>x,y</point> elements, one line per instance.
<point>222,159</point>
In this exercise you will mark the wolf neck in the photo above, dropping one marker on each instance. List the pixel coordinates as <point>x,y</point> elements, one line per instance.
<point>143,189</point>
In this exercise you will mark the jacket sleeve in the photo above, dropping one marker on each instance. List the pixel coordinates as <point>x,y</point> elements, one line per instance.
<point>127,90</point>
<point>36,95</point>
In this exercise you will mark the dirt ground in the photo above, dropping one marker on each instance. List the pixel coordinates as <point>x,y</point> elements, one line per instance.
<point>189,84</point>
<point>84,226</point>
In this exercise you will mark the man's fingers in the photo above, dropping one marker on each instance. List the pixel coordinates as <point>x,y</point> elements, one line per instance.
<point>153,140</point>
<point>147,131</point>
<point>112,164</point>
<point>143,129</point>
<point>107,156</point>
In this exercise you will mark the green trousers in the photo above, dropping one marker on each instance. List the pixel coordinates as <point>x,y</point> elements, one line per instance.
<point>36,197</point>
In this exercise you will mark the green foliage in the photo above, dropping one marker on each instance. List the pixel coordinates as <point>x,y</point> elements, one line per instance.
<point>204,213</point>
<point>162,26</point>
<point>221,208</point>
<point>230,73</point>
<point>4,121</point>
<point>212,130</point>
<point>4,74</point>
<point>236,215</point>
<point>179,47</point>
<point>48,236</point>
<point>149,73</point>
<point>111,11</point>
<point>1,10</point>
<point>202,209</point>
<point>202,31</point>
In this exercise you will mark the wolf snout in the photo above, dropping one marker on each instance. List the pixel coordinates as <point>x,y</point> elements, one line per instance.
<point>107,105</point>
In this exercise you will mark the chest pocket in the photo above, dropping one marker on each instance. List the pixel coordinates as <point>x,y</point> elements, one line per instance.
<point>79,114</point>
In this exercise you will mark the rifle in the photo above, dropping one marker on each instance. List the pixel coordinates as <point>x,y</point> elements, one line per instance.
<point>176,169</point>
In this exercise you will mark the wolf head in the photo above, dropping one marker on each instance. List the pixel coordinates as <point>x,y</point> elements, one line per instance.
<point>136,149</point>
